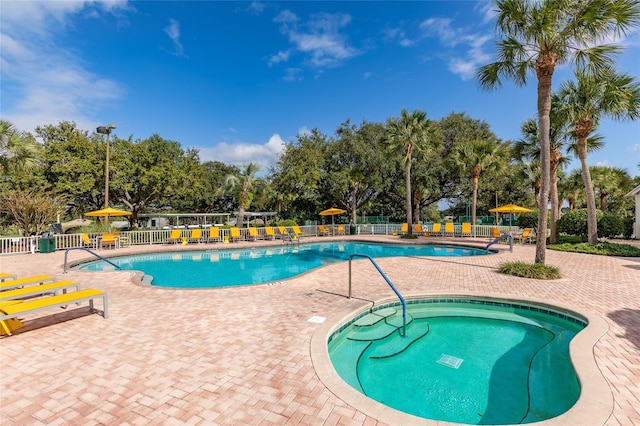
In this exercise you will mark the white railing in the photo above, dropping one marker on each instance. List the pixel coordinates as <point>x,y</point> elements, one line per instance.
<point>18,245</point>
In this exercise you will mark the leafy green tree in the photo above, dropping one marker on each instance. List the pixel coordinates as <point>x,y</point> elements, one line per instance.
<point>408,137</point>
<point>31,211</point>
<point>215,199</point>
<point>243,185</point>
<point>18,150</point>
<point>537,36</point>
<point>596,94</point>
<point>609,182</point>
<point>474,157</point>
<point>74,164</point>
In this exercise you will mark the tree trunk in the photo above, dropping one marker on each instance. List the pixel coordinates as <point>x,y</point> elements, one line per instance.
<point>240,218</point>
<point>592,221</point>
<point>544,125</point>
<point>354,204</point>
<point>555,202</point>
<point>474,200</point>
<point>408,200</point>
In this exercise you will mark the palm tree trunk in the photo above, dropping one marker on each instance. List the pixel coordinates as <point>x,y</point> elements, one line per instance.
<point>408,200</point>
<point>544,125</point>
<point>592,221</point>
<point>555,202</point>
<point>474,201</point>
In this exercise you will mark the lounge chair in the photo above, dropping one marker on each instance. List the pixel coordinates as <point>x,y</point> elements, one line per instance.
<point>175,236</point>
<point>297,231</point>
<point>404,229</point>
<point>526,235</point>
<point>449,229</point>
<point>283,232</point>
<point>196,235</point>
<point>214,234</point>
<point>466,229</point>
<point>235,234</point>
<point>7,276</point>
<point>10,312</point>
<point>21,282</point>
<point>39,290</point>
<point>87,241</point>
<point>269,232</point>
<point>109,239</point>
<point>495,233</point>
<point>436,229</point>
<point>253,233</point>
<point>323,230</point>
<point>340,230</point>
<point>418,229</point>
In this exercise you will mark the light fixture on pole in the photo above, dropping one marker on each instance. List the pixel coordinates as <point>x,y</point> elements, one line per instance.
<point>106,130</point>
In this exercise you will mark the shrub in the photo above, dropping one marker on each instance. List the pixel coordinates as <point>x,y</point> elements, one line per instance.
<point>574,222</point>
<point>610,226</point>
<point>530,270</point>
<point>627,227</point>
<point>528,220</point>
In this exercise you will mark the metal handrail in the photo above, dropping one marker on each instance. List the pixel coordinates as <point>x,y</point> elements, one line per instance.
<point>404,303</point>
<point>495,240</point>
<point>66,252</point>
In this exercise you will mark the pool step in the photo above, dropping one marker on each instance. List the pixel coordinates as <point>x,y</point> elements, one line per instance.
<point>378,325</point>
<point>397,345</point>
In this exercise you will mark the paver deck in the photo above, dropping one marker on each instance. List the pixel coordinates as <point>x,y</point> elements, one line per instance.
<point>240,355</point>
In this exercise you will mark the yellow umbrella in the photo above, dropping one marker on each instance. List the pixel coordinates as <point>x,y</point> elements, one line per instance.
<point>510,208</point>
<point>332,212</point>
<point>108,212</point>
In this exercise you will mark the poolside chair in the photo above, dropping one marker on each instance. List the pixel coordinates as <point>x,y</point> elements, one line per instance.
<point>235,234</point>
<point>7,276</point>
<point>175,236</point>
<point>404,229</point>
<point>436,229</point>
<point>495,233</point>
<point>196,235</point>
<point>269,233</point>
<point>109,239</point>
<point>21,282</point>
<point>253,233</point>
<point>418,228</point>
<point>466,229</point>
<point>9,313</point>
<point>449,229</point>
<point>526,235</point>
<point>39,290</point>
<point>298,232</point>
<point>340,230</point>
<point>87,241</point>
<point>214,234</point>
<point>323,230</point>
<point>283,232</point>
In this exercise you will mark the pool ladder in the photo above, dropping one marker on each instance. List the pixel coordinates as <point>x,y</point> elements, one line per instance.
<point>87,250</point>
<point>507,236</point>
<point>395,290</point>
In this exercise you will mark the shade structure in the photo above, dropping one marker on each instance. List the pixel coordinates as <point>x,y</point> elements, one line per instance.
<point>510,208</point>
<point>332,211</point>
<point>108,212</point>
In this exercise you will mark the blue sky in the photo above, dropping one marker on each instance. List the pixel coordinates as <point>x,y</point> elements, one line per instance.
<point>237,79</point>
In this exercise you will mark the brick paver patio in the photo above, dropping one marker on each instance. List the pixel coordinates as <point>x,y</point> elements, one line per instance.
<point>241,355</point>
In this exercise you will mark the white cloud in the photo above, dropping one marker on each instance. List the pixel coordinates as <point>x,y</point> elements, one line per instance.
<point>319,39</point>
<point>43,83</point>
<point>265,155</point>
<point>173,31</point>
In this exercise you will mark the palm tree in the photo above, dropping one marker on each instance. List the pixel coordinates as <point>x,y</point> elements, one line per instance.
<point>409,136</point>
<point>572,187</point>
<point>17,149</point>
<point>607,180</point>
<point>243,183</point>
<point>538,36</point>
<point>594,95</point>
<point>530,173</point>
<point>472,158</point>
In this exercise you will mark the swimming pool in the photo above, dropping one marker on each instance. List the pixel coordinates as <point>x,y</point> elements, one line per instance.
<point>468,360</point>
<point>234,267</point>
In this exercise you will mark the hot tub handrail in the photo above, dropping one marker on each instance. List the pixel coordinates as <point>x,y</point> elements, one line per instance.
<point>87,250</point>
<point>395,290</point>
<point>507,236</point>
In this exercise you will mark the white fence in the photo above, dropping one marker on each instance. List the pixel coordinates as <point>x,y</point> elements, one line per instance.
<point>34,244</point>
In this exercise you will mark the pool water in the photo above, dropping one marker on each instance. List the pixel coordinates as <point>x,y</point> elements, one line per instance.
<point>221,268</point>
<point>463,361</point>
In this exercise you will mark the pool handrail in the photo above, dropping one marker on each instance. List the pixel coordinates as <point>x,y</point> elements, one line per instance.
<point>495,240</point>
<point>66,252</point>
<point>395,290</point>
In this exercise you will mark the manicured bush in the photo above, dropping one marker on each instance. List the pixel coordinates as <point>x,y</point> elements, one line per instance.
<point>602,248</point>
<point>610,226</point>
<point>528,220</point>
<point>574,222</point>
<point>627,227</point>
<point>538,271</point>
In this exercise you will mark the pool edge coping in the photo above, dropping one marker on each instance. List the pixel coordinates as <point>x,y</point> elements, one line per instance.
<point>594,405</point>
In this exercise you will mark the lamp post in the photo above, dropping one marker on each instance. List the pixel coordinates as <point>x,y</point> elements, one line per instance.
<point>106,130</point>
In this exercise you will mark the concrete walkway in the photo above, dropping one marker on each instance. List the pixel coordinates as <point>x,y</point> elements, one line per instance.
<point>241,355</point>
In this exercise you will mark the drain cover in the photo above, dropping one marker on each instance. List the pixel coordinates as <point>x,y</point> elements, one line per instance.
<point>450,361</point>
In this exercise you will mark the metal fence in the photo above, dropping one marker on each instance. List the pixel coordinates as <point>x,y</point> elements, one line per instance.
<point>17,245</point>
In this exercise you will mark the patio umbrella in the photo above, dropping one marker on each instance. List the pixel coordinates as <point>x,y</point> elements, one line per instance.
<point>108,212</point>
<point>510,208</point>
<point>332,212</point>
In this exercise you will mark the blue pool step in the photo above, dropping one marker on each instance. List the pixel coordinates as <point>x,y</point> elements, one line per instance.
<point>395,346</point>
